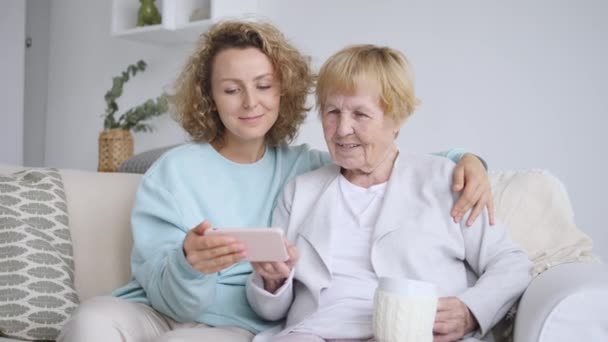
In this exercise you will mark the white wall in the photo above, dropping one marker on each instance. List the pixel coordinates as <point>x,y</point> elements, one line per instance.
<point>520,83</point>
<point>83,59</point>
<point>12,40</point>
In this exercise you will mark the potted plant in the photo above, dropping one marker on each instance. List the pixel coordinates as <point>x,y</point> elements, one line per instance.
<point>116,140</point>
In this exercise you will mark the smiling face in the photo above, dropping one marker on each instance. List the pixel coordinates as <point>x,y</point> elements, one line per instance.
<point>245,91</point>
<point>359,136</point>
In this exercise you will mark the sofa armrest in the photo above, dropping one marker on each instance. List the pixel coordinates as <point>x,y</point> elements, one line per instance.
<point>562,304</point>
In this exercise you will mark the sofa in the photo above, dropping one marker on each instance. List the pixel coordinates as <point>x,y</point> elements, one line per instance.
<point>564,302</point>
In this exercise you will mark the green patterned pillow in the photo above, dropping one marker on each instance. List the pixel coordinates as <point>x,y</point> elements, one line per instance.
<point>37,292</point>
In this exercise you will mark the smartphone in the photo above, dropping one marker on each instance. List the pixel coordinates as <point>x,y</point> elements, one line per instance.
<point>261,244</point>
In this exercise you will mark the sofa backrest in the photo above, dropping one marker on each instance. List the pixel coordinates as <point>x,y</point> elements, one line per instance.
<point>99,208</point>
<point>534,204</point>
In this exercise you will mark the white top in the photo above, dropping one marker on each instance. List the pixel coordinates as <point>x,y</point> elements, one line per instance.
<point>346,307</point>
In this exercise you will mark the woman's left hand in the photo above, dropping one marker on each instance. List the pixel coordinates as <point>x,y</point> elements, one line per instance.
<point>471,178</point>
<point>453,320</point>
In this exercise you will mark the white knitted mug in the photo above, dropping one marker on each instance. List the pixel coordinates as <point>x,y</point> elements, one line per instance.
<point>404,310</point>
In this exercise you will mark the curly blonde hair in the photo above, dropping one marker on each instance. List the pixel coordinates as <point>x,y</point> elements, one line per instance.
<point>366,63</point>
<point>192,102</point>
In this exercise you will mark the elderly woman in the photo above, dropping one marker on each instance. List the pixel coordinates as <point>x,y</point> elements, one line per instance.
<point>379,212</point>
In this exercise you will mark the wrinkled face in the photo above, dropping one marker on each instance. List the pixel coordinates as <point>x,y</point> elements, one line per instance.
<point>358,134</point>
<point>246,93</point>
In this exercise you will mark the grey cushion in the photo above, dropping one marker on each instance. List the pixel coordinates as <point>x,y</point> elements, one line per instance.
<point>140,162</point>
<point>37,292</point>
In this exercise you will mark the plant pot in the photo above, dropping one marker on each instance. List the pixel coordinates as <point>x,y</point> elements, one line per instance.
<point>115,146</point>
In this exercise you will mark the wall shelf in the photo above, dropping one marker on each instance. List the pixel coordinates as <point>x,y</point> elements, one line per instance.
<point>177,26</point>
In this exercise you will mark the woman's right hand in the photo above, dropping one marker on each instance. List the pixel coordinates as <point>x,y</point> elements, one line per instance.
<point>275,273</point>
<point>210,254</point>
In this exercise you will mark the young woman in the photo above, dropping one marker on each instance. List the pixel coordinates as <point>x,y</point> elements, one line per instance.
<point>241,97</point>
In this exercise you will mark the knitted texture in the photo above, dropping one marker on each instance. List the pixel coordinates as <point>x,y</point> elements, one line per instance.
<point>403,319</point>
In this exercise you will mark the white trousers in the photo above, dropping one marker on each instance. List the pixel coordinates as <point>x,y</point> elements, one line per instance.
<point>297,337</point>
<point>110,319</point>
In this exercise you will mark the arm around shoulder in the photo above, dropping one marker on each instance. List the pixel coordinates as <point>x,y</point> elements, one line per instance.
<point>456,154</point>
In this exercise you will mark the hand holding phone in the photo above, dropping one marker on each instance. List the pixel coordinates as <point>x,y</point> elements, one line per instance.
<point>275,273</point>
<point>261,244</point>
<point>210,254</point>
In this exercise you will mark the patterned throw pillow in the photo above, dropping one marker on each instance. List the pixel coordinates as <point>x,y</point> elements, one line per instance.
<point>37,291</point>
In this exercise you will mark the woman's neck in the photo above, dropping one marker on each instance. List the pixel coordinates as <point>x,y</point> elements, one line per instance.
<point>380,174</point>
<point>241,152</point>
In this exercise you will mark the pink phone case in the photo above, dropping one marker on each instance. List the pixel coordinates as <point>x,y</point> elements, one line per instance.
<point>261,244</point>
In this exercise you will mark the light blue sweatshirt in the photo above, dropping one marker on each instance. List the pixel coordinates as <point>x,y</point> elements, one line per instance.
<point>186,186</point>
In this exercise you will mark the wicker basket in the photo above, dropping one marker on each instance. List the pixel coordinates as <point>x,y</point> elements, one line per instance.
<point>115,146</point>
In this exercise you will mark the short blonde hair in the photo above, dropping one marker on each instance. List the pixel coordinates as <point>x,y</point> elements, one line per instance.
<point>192,102</point>
<point>388,68</point>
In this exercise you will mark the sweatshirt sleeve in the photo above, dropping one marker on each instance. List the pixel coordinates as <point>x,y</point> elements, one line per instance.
<point>270,306</point>
<point>503,269</point>
<point>158,262</point>
<point>456,154</point>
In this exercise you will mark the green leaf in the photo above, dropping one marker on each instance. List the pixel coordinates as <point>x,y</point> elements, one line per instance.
<point>143,128</point>
<point>116,90</point>
<point>134,118</point>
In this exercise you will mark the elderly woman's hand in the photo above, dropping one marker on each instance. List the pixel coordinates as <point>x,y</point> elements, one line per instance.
<point>471,178</point>
<point>275,273</point>
<point>453,320</point>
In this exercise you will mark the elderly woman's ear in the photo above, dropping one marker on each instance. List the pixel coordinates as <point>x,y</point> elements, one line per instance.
<point>471,178</point>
